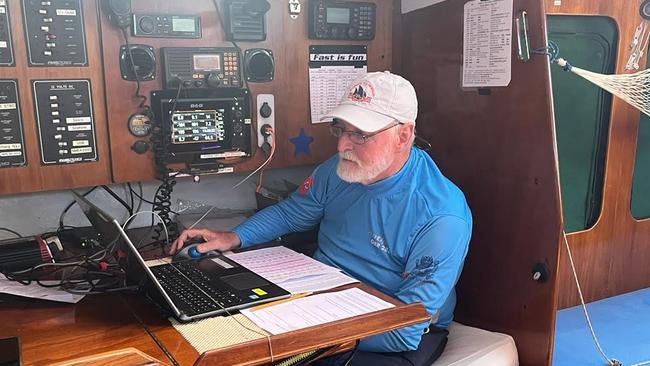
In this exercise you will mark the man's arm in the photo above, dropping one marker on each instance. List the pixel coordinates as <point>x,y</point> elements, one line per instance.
<point>433,266</point>
<point>301,211</point>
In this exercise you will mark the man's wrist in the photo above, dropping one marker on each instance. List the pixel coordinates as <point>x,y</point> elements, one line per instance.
<point>234,240</point>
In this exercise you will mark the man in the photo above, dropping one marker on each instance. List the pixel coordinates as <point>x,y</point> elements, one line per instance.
<point>387,215</point>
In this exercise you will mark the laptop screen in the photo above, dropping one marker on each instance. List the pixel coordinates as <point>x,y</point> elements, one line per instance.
<point>101,221</point>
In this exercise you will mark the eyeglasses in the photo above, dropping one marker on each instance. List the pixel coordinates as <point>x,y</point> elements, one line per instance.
<point>359,138</point>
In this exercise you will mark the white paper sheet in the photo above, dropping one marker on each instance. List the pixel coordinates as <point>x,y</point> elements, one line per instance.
<point>331,70</point>
<point>295,272</point>
<point>315,310</point>
<point>37,292</point>
<point>487,43</point>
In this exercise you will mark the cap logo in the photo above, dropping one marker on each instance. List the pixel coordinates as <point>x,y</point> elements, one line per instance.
<point>362,92</point>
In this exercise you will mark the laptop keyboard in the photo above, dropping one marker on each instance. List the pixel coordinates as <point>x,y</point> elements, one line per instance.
<point>193,291</point>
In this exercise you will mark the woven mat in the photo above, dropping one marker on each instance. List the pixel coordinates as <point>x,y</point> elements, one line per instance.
<point>221,331</point>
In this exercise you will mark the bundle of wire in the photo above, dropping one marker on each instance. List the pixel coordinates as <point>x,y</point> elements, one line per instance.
<point>94,273</point>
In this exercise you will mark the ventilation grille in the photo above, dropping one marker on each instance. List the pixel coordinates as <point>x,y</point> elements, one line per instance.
<point>243,26</point>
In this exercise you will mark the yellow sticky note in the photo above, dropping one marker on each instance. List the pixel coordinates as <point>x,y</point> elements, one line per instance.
<point>259,291</point>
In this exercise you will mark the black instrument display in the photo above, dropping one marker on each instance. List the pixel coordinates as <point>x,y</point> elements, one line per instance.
<point>198,126</point>
<point>203,125</point>
<point>66,127</point>
<point>166,26</point>
<point>12,141</point>
<point>54,31</point>
<point>201,67</point>
<point>6,43</point>
<point>342,20</point>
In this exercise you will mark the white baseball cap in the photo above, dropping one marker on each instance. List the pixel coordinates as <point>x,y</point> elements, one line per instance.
<point>375,100</point>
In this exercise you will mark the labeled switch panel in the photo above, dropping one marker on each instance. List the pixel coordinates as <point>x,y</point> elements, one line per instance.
<point>64,113</point>
<point>6,46</point>
<point>55,33</point>
<point>12,142</point>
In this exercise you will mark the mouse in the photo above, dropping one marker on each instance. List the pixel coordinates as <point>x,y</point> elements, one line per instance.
<point>189,251</point>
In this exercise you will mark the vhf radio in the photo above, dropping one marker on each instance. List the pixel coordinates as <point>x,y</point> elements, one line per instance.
<point>201,67</point>
<point>342,20</point>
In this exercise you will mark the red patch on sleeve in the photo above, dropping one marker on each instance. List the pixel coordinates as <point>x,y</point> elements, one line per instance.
<point>304,187</point>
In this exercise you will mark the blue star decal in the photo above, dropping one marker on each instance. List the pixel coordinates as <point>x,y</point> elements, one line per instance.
<point>301,143</point>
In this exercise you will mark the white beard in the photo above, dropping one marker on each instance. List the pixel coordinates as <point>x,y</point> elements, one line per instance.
<point>356,172</point>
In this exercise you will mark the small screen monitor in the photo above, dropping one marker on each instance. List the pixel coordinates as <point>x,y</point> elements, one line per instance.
<point>338,15</point>
<point>183,24</point>
<point>207,62</point>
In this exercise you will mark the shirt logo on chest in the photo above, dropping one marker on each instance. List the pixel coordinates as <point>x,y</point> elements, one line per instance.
<point>378,242</point>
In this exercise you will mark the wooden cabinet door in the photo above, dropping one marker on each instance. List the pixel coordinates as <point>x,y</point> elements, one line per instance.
<point>498,146</point>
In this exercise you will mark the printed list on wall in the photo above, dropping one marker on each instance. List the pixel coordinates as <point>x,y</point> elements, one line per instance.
<point>331,70</point>
<point>487,43</point>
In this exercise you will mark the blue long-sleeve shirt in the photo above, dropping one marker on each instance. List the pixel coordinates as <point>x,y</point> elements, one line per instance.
<point>406,235</point>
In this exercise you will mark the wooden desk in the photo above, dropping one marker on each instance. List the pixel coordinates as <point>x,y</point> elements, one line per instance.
<point>284,345</point>
<point>52,332</point>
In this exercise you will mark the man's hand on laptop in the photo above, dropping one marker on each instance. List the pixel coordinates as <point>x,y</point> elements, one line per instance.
<point>213,240</point>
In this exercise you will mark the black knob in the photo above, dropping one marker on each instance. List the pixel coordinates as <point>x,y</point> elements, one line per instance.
<point>140,147</point>
<point>199,83</point>
<point>352,32</point>
<point>146,25</point>
<point>187,84</point>
<point>238,114</point>
<point>541,273</point>
<point>265,110</point>
<point>213,80</point>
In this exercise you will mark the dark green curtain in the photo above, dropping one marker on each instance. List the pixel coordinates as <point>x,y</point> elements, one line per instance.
<point>582,112</point>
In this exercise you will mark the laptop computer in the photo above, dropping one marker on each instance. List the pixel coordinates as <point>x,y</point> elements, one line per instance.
<point>192,288</point>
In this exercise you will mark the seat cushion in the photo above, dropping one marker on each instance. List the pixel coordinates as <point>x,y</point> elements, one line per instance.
<point>469,346</point>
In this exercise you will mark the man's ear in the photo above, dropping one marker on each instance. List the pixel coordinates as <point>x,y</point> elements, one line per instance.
<point>405,133</point>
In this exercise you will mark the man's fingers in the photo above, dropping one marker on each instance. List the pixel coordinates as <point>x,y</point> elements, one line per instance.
<point>206,247</point>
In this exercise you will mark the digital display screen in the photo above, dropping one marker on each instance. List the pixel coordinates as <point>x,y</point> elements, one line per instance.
<point>207,62</point>
<point>183,24</point>
<point>338,15</point>
<point>198,126</point>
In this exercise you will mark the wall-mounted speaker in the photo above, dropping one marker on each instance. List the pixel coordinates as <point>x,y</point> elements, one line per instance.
<point>118,12</point>
<point>245,20</point>
<point>143,67</point>
<point>259,66</point>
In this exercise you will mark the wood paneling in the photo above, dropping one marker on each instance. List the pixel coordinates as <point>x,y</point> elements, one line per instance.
<point>35,176</point>
<point>286,37</point>
<point>611,257</point>
<point>499,149</point>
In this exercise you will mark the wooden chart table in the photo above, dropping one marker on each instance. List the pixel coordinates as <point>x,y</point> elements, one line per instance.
<point>55,332</point>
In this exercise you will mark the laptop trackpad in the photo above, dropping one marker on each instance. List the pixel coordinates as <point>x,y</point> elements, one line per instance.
<point>244,281</point>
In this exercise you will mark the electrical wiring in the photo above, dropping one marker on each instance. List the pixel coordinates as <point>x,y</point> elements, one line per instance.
<point>128,221</point>
<point>65,210</point>
<point>263,164</point>
<point>143,98</point>
<point>140,196</point>
<point>11,231</point>
<point>118,199</point>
